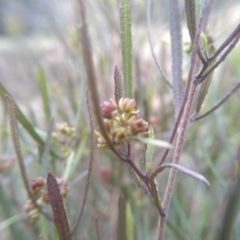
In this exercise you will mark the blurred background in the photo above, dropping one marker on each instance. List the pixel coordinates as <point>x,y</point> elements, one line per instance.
<point>41,67</point>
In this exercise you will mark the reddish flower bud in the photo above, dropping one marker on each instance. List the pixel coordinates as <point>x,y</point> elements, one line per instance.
<point>37,184</point>
<point>139,126</point>
<point>107,109</point>
<point>46,197</point>
<point>63,186</point>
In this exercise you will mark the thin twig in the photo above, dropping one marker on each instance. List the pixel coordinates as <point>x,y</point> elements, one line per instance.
<point>221,59</point>
<point>165,78</point>
<point>232,36</point>
<point>16,144</point>
<point>223,100</point>
<point>233,39</point>
<point>90,166</point>
<point>91,76</point>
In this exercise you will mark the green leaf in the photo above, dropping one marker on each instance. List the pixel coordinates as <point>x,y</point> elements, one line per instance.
<point>149,152</point>
<point>14,219</point>
<point>190,9</point>
<point>46,148</point>
<point>24,121</point>
<point>75,158</point>
<point>126,39</point>
<point>130,222</point>
<point>205,85</point>
<point>8,217</point>
<point>155,142</point>
<point>122,230</point>
<point>42,84</point>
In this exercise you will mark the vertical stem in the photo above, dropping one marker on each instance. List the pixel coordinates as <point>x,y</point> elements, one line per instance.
<point>176,158</point>
<point>185,118</point>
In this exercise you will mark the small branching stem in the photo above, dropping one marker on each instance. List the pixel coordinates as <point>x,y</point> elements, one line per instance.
<point>232,36</point>
<point>222,101</point>
<point>231,42</point>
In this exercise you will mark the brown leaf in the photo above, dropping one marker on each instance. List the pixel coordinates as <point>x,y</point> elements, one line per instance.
<point>59,213</point>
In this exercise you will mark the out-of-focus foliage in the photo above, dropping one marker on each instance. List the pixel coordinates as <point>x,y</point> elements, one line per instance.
<point>41,67</point>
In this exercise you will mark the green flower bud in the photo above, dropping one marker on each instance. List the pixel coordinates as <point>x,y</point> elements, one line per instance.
<point>126,104</point>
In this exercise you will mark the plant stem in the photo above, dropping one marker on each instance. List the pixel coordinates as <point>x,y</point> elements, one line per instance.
<point>183,124</point>
<point>222,101</point>
<point>176,158</point>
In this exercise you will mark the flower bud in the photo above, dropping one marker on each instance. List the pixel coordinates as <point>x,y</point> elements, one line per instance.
<point>108,109</point>
<point>37,184</point>
<point>126,104</point>
<point>204,40</point>
<point>46,197</point>
<point>63,187</point>
<point>29,206</point>
<point>101,143</point>
<point>138,126</point>
<point>119,135</point>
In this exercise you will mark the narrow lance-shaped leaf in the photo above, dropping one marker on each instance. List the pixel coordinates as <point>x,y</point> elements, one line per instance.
<point>155,195</point>
<point>122,233</point>
<point>182,169</point>
<point>46,147</point>
<point>42,83</point>
<point>191,17</point>
<point>205,85</point>
<point>126,38</point>
<point>24,121</point>
<point>21,118</point>
<point>130,222</point>
<point>118,84</point>
<point>59,213</point>
<point>149,152</point>
<point>154,142</point>
<point>176,53</point>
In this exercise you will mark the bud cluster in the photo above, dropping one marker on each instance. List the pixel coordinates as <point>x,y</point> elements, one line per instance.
<point>63,137</point>
<point>121,120</point>
<point>39,189</point>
